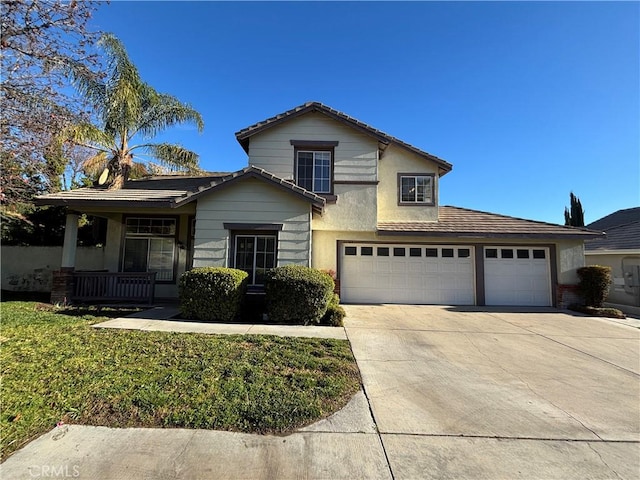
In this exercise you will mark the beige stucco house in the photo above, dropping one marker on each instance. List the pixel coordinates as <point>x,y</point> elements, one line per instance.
<point>325,190</point>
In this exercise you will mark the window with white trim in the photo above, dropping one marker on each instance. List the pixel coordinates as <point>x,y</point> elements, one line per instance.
<point>313,170</point>
<point>255,254</point>
<point>416,189</point>
<point>149,246</point>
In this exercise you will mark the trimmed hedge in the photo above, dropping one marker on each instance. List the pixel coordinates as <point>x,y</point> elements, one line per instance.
<point>297,295</point>
<point>594,284</point>
<point>335,314</point>
<point>212,293</point>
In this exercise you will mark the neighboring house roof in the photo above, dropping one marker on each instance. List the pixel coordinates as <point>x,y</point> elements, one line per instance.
<point>384,139</point>
<point>463,222</point>
<point>620,217</point>
<point>622,237</point>
<point>622,230</point>
<point>169,191</point>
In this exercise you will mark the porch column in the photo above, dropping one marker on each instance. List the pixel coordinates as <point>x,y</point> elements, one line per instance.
<point>70,242</point>
<point>62,287</point>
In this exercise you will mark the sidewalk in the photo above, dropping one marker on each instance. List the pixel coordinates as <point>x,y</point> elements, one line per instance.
<point>344,446</point>
<point>159,319</point>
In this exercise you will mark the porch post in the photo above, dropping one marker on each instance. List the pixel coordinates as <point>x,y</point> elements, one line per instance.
<point>70,242</point>
<point>62,287</point>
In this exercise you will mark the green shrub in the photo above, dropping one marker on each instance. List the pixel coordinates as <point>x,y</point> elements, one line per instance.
<point>297,294</point>
<point>335,314</point>
<point>212,293</point>
<point>594,284</point>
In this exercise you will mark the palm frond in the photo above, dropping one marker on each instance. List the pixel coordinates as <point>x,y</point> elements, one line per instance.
<point>164,111</point>
<point>139,170</point>
<point>174,156</point>
<point>124,88</point>
<point>88,135</point>
<point>92,166</point>
<point>87,83</point>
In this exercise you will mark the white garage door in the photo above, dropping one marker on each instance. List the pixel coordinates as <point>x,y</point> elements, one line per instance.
<point>420,274</point>
<point>517,276</point>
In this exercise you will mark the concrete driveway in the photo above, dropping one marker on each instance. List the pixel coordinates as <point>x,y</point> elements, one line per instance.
<point>492,393</point>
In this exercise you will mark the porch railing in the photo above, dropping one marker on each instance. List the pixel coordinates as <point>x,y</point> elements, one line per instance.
<point>114,287</point>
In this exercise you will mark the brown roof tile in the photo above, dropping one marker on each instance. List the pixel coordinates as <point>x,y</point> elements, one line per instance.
<point>463,222</point>
<point>385,139</point>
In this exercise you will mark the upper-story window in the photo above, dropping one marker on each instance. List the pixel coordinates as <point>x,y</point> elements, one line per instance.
<point>313,170</point>
<point>313,164</point>
<point>415,189</point>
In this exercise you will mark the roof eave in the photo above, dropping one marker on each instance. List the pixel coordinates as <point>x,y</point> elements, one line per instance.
<point>485,235</point>
<point>612,251</point>
<point>79,204</point>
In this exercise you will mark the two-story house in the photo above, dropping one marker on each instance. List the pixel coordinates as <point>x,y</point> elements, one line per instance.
<point>323,189</point>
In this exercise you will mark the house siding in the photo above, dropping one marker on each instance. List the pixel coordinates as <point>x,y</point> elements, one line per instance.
<point>397,160</point>
<point>251,201</point>
<point>356,155</point>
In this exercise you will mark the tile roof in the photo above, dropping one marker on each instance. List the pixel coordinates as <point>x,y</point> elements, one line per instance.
<point>622,230</point>
<point>622,237</point>
<point>384,139</point>
<point>620,217</point>
<point>168,191</point>
<point>463,222</point>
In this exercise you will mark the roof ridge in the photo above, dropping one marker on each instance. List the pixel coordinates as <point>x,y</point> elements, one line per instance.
<point>321,107</point>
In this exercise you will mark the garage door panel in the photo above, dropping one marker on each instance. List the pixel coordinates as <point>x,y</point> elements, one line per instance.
<point>522,281</point>
<point>423,275</point>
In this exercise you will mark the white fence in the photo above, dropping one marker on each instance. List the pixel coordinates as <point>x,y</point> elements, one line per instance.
<point>29,269</point>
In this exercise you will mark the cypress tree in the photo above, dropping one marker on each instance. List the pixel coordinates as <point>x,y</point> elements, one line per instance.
<point>575,216</point>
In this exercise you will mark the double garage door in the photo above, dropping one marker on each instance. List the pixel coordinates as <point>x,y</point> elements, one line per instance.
<point>443,274</point>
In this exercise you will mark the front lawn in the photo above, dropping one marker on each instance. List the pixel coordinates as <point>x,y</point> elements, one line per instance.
<point>56,367</point>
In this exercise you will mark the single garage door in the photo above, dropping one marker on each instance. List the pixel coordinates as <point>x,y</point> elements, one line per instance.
<point>419,274</point>
<point>517,276</point>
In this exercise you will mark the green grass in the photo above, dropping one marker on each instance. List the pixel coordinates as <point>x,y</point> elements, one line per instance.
<point>56,367</point>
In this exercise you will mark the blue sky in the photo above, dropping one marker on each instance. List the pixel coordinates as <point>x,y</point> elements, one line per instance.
<point>527,100</point>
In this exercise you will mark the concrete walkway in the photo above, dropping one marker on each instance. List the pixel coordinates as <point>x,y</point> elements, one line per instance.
<point>343,446</point>
<point>159,319</point>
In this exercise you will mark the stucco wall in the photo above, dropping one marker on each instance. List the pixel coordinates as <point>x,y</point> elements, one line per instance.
<point>397,160</point>
<point>354,210</point>
<point>617,292</point>
<point>355,156</point>
<point>251,201</point>
<point>570,255</point>
<point>29,269</point>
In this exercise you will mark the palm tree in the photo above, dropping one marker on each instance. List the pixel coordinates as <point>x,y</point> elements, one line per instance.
<point>127,108</point>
